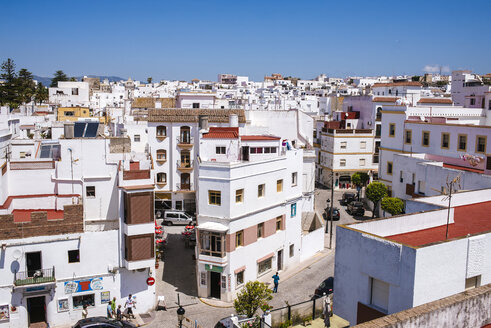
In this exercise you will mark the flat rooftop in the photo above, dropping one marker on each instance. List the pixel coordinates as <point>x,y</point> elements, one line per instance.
<point>468,219</point>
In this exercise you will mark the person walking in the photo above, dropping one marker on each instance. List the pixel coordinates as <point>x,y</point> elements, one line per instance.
<point>109,311</point>
<point>85,313</point>
<point>113,307</point>
<point>129,306</point>
<point>326,310</point>
<point>276,281</point>
<point>119,315</point>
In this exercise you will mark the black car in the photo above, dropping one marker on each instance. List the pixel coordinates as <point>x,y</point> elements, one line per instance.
<point>335,214</point>
<point>327,286</point>
<point>102,322</point>
<point>356,208</point>
<point>348,197</point>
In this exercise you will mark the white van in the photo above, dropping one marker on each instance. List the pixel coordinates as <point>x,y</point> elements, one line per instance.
<point>177,217</point>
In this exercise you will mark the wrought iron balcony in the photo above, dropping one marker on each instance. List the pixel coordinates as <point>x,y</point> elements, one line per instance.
<point>33,277</point>
<point>185,165</point>
<point>185,141</point>
<point>184,186</point>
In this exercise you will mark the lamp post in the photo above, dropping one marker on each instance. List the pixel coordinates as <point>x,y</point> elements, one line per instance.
<point>180,312</point>
<point>332,204</point>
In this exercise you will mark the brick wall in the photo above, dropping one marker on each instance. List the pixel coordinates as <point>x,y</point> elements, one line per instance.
<point>39,225</point>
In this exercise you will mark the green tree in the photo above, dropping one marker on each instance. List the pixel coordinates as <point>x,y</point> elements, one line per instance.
<point>376,191</point>
<point>360,179</point>
<point>255,295</point>
<point>416,78</point>
<point>41,93</point>
<point>392,205</point>
<point>26,86</point>
<point>59,76</point>
<point>9,89</point>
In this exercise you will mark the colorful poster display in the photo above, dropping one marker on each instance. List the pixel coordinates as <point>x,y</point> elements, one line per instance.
<point>78,286</point>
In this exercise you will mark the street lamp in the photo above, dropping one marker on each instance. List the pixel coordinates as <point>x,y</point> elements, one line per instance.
<point>180,312</point>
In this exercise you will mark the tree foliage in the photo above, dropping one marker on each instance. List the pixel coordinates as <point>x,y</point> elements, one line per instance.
<point>149,80</point>
<point>360,178</point>
<point>376,191</point>
<point>255,295</point>
<point>41,93</point>
<point>392,205</point>
<point>58,76</point>
<point>17,88</point>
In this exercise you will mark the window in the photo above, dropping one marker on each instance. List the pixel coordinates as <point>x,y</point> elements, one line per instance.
<point>343,144</point>
<point>392,129</point>
<point>294,179</point>
<point>473,101</point>
<point>239,195</point>
<point>161,131</point>
<point>239,238</point>
<point>239,278</point>
<point>214,197</point>
<point>260,190</point>
<point>408,136</point>
<point>161,155</point>
<point>90,191</point>
<point>292,250</point>
<point>221,150</point>
<point>136,138</point>
<point>445,140</point>
<point>278,223</point>
<point>260,230</point>
<point>211,243</point>
<point>421,187</point>
<point>378,130</point>
<point>74,256</point>
<point>462,144</point>
<point>480,144</point>
<point>342,162</point>
<point>161,177</point>
<point>362,162</point>
<point>363,145</point>
<point>379,294</point>
<point>264,266</point>
<point>425,139</point>
<point>293,210</point>
<point>80,301</point>
<point>74,91</point>
<point>22,154</point>
<point>70,113</point>
<point>472,282</point>
<point>279,185</point>
<point>195,105</point>
<point>389,168</point>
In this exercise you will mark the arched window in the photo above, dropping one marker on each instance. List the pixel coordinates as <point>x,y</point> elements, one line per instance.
<point>162,177</point>
<point>185,135</point>
<point>161,131</point>
<point>161,155</point>
<point>379,112</point>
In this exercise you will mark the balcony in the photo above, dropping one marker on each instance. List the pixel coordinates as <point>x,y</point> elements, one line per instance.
<point>185,166</point>
<point>136,174</point>
<point>185,141</point>
<point>161,160</point>
<point>34,277</point>
<point>184,186</point>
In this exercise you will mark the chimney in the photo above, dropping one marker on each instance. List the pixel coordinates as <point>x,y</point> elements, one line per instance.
<point>203,122</point>
<point>234,120</point>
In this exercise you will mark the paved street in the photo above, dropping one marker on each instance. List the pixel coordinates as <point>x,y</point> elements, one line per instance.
<point>177,275</point>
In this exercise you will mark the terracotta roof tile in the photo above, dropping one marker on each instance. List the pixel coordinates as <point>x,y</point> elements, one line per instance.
<point>398,84</point>
<point>435,101</point>
<point>385,99</point>
<point>252,138</point>
<point>222,133</point>
<point>192,115</point>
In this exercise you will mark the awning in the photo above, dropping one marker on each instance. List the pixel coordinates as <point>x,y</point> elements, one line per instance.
<point>213,268</point>
<point>163,195</point>
<point>213,226</point>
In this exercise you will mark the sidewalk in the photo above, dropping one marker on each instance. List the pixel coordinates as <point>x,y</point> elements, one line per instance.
<point>336,322</point>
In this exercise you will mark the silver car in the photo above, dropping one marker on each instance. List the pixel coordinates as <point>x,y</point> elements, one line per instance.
<point>177,217</point>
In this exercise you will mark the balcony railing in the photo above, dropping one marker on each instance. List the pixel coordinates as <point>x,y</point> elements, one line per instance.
<point>184,186</point>
<point>185,140</point>
<point>32,277</point>
<point>185,165</point>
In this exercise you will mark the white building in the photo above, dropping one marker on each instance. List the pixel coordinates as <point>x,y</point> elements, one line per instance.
<point>468,90</point>
<point>388,265</point>
<point>70,94</point>
<point>255,210</point>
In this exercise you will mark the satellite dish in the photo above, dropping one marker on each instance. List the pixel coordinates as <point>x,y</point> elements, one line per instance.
<point>17,254</point>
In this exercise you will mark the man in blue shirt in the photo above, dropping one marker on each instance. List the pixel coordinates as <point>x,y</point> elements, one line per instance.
<point>276,280</point>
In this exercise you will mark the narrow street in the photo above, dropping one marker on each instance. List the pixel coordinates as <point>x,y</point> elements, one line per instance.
<point>176,275</point>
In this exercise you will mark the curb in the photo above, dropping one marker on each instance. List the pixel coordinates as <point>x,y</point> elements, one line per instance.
<point>214,305</point>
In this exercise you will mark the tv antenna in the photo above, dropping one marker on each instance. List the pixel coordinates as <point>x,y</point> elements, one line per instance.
<point>451,187</point>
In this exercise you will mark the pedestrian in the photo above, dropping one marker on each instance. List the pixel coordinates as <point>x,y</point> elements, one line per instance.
<point>85,313</point>
<point>119,315</point>
<point>129,306</point>
<point>326,310</point>
<point>113,307</point>
<point>109,311</point>
<point>276,280</point>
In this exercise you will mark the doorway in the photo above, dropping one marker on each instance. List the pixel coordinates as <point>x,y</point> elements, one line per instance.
<point>245,153</point>
<point>215,284</point>
<point>280,260</point>
<point>33,263</point>
<point>36,309</point>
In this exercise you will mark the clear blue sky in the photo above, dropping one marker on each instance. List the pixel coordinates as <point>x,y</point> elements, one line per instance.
<point>199,39</point>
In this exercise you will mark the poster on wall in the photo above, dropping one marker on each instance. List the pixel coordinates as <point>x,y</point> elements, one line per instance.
<point>77,286</point>
<point>4,312</point>
<point>63,305</point>
<point>105,297</point>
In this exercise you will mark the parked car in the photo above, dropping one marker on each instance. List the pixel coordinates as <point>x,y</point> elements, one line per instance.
<point>356,208</point>
<point>348,197</point>
<point>335,214</point>
<point>102,322</point>
<point>177,217</point>
<point>327,286</point>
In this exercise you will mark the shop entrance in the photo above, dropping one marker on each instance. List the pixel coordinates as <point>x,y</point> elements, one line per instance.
<point>215,284</point>
<point>36,309</point>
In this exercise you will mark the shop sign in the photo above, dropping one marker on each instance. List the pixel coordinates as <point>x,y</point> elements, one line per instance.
<point>77,286</point>
<point>213,268</point>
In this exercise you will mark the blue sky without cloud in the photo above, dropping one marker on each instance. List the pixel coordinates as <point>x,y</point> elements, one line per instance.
<point>199,39</point>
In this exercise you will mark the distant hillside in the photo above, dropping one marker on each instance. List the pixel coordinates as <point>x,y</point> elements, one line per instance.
<point>46,81</point>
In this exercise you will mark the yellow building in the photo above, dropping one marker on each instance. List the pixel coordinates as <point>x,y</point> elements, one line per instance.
<point>74,113</point>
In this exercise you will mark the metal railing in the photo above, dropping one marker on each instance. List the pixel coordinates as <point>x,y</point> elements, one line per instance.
<point>184,186</point>
<point>32,277</point>
<point>298,313</point>
<point>185,139</point>
<point>185,164</point>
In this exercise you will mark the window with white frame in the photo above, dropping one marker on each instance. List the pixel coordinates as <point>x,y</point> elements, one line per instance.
<point>239,278</point>
<point>136,138</point>
<point>342,162</point>
<point>294,179</point>
<point>221,150</point>
<point>363,144</point>
<point>362,162</point>
<point>344,144</point>
<point>265,265</point>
